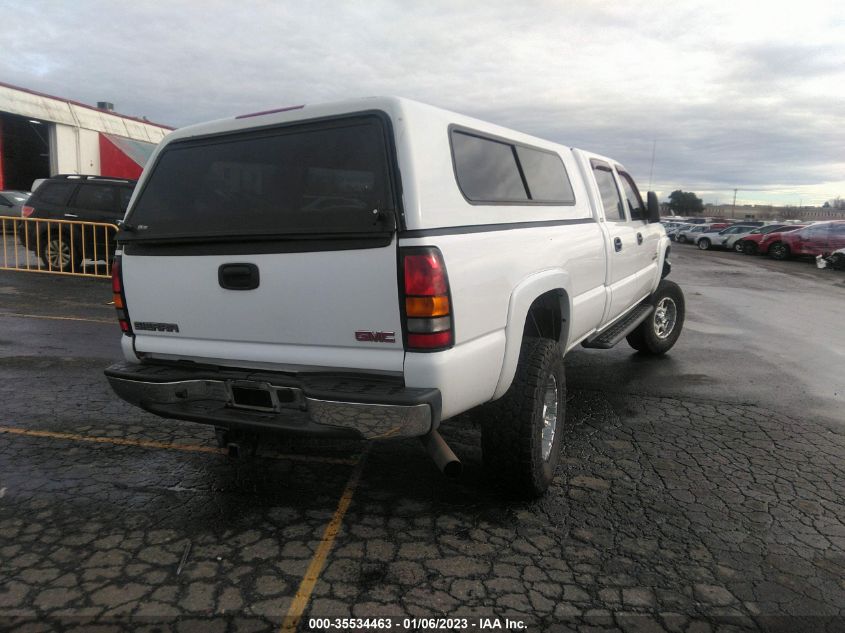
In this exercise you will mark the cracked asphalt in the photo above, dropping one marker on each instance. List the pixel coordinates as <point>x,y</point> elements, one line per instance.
<point>704,491</point>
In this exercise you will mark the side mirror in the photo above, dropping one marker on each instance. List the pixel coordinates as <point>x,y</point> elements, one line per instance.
<point>653,207</point>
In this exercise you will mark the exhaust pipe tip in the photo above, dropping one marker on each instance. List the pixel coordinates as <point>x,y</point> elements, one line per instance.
<point>443,456</point>
<point>453,470</point>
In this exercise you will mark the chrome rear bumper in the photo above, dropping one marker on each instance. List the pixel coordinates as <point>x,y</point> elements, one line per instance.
<point>354,406</point>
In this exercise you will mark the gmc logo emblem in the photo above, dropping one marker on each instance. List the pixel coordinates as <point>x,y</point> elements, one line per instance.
<point>365,336</point>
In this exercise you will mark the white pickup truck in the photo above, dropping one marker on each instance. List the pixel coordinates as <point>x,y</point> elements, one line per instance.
<point>372,268</point>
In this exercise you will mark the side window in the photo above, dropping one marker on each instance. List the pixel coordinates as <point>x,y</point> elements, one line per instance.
<point>545,176</point>
<point>55,192</point>
<point>125,195</point>
<point>632,195</point>
<point>610,199</point>
<point>95,198</point>
<point>487,169</point>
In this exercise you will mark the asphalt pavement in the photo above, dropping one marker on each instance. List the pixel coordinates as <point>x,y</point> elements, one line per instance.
<point>702,491</point>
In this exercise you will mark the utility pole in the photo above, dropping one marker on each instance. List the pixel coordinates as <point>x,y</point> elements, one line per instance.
<point>733,207</point>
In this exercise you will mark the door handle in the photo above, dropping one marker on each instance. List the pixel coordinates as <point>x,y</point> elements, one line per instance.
<point>617,243</point>
<point>639,238</point>
<point>238,276</point>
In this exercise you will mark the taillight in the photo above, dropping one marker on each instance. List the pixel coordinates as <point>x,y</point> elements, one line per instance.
<point>427,305</point>
<point>120,298</point>
<point>27,211</point>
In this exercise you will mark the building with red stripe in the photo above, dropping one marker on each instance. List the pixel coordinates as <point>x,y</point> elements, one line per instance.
<point>42,135</point>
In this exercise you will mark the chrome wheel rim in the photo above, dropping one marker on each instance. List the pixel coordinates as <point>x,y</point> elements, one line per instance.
<point>59,257</point>
<point>550,411</point>
<point>665,316</point>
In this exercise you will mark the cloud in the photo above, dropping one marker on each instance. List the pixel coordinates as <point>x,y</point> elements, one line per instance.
<point>733,98</point>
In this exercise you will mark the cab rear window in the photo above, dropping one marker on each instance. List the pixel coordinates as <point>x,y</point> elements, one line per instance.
<point>310,179</point>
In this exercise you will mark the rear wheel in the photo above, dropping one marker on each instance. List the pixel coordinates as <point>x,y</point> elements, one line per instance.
<point>658,334</point>
<point>58,253</point>
<point>779,251</point>
<point>739,247</point>
<point>521,432</point>
<point>704,244</point>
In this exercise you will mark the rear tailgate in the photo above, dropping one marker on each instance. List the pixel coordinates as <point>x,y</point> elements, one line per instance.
<point>269,248</point>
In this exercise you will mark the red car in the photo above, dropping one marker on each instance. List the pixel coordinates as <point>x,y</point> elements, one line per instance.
<point>816,239</point>
<point>759,243</point>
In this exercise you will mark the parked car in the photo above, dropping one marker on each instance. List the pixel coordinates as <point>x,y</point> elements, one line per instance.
<point>688,235</point>
<point>716,238</point>
<point>816,239</point>
<point>74,197</point>
<point>737,242</point>
<point>760,244</point>
<point>11,203</point>
<point>343,321</point>
<point>670,225</point>
<point>672,234</point>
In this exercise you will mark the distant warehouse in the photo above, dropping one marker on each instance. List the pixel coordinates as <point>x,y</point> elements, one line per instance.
<point>41,136</point>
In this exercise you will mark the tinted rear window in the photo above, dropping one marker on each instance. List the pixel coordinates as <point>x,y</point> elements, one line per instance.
<point>95,198</point>
<point>314,179</point>
<point>55,192</point>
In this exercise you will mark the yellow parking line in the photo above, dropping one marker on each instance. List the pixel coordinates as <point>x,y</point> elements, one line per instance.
<point>190,448</point>
<point>58,318</point>
<point>315,567</point>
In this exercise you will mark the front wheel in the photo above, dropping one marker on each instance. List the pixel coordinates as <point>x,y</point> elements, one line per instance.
<point>658,334</point>
<point>739,247</point>
<point>704,244</point>
<point>749,248</point>
<point>521,432</point>
<point>779,251</point>
<point>682,239</point>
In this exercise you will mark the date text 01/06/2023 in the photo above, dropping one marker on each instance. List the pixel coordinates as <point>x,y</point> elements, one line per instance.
<point>414,624</point>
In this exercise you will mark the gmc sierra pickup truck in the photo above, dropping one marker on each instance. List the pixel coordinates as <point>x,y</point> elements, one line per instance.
<point>373,268</point>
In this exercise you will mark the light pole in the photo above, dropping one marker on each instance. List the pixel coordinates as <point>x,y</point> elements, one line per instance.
<point>733,206</point>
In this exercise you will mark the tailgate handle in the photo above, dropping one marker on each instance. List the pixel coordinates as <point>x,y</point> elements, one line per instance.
<point>238,276</point>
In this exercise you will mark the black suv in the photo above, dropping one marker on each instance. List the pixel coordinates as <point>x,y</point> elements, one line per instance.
<point>75,197</point>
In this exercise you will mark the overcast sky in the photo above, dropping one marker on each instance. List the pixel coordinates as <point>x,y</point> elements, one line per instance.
<point>747,95</point>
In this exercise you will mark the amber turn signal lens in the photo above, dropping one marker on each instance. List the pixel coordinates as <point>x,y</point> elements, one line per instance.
<point>118,301</point>
<point>427,306</point>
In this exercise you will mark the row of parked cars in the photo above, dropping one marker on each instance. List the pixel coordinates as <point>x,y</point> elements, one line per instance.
<point>778,240</point>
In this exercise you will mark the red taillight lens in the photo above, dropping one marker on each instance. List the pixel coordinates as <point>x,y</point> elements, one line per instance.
<point>115,276</point>
<point>428,319</point>
<point>425,275</point>
<point>27,211</point>
<point>430,341</point>
<point>119,298</point>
